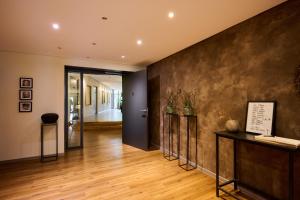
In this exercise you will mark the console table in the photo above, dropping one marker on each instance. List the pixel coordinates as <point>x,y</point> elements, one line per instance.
<point>170,153</point>
<point>44,157</point>
<point>250,138</point>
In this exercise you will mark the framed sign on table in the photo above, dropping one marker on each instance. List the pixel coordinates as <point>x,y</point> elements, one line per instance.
<point>260,117</point>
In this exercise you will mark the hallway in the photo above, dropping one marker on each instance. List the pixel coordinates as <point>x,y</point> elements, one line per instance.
<point>104,169</point>
<point>114,115</point>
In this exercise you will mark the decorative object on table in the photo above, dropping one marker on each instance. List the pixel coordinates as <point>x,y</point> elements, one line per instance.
<point>49,118</point>
<point>297,79</point>
<point>26,82</point>
<point>171,104</point>
<point>188,99</point>
<point>232,126</point>
<point>260,117</point>
<point>25,106</point>
<point>25,94</point>
<point>280,141</point>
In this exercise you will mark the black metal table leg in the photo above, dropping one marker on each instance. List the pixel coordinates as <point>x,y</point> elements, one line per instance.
<point>169,136</point>
<point>172,152</point>
<point>188,143</point>
<point>217,166</point>
<point>291,175</point>
<point>234,164</point>
<point>196,141</point>
<point>56,141</point>
<point>42,143</point>
<point>178,135</point>
<point>163,128</point>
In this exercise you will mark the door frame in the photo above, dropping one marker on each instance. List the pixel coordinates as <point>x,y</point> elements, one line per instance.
<point>82,71</point>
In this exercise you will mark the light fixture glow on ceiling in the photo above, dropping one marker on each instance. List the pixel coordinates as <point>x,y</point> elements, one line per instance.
<point>55,26</point>
<point>139,42</point>
<point>171,14</point>
<point>122,57</point>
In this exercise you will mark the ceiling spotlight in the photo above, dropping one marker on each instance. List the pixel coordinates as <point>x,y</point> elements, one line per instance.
<point>55,26</point>
<point>171,14</point>
<point>139,42</point>
<point>122,57</point>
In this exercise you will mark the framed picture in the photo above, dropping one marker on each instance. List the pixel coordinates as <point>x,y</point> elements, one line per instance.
<point>25,106</point>
<point>260,117</point>
<point>88,95</point>
<point>26,82</point>
<point>74,83</point>
<point>102,97</point>
<point>25,94</point>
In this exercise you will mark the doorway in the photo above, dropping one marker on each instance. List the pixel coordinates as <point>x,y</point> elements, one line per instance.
<point>73,100</point>
<point>102,102</point>
<point>97,100</point>
<point>93,102</point>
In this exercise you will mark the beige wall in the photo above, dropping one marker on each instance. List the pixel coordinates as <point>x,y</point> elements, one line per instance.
<point>90,109</point>
<point>20,132</point>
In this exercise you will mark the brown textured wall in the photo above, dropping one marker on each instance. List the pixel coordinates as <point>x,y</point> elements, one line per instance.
<point>254,60</point>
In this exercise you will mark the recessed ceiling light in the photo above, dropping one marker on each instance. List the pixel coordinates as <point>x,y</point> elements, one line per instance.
<point>139,42</point>
<point>122,57</point>
<point>55,26</point>
<point>171,14</point>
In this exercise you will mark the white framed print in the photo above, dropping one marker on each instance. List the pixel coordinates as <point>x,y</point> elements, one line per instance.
<point>260,117</point>
<point>25,94</point>
<point>25,106</point>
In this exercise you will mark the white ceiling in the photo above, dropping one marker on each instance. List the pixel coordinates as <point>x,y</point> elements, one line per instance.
<point>111,81</point>
<point>26,26</point>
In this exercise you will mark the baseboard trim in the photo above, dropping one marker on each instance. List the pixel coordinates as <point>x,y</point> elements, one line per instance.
<point>251,194</point>
<point>222,179</point>
<point>25,159</point>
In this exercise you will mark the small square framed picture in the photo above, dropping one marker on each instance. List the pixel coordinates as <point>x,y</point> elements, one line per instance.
<point>25,106</point>
<point>25,94</point>
<point>26,82</point>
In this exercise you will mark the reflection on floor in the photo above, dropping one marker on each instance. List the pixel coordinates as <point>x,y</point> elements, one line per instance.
<point>105,169</point>
<point>74,135</point>
<point>107,115</point>
<point>106,120</point>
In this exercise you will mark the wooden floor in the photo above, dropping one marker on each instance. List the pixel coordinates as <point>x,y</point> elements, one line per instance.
<point>105,169</point>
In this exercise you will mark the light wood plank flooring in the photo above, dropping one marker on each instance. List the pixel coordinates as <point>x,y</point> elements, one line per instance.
<point>105,169</point>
